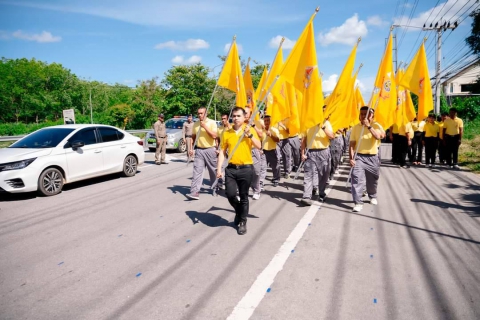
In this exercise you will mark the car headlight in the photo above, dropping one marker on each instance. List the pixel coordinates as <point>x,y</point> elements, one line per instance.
<point>16,165</point>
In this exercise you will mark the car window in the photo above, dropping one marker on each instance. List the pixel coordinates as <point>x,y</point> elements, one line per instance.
<point>87,136</point>
<point>44,138</point>
<point>109,134</point>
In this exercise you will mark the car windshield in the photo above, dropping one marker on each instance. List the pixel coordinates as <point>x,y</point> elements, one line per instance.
<point>174,123</point>
<point>44,138</point>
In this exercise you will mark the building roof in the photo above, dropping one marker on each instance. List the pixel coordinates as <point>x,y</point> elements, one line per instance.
<point>473,64</point>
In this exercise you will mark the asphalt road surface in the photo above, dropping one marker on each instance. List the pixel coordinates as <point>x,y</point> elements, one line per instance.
<point>136,248</point>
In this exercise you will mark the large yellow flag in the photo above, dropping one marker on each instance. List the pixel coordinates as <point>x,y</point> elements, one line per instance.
<point>345,114</point>
<point>343,89</point>
<point>359,98</point>
<point>261,85</point>
<point>384,99</point>
<point>247,80</point>
<point>301,70</point>
<point>400,115</point>
<point>231,76</point>
<point>277,97</point>
<point>409,107</point>
<point>293,100</point>
<point>417,80</point>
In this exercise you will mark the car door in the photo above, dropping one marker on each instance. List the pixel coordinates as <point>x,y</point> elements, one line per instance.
<point>114,148</point>
<point>87,161</point>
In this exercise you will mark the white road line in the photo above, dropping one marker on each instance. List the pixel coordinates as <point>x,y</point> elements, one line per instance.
<point>250,301</point>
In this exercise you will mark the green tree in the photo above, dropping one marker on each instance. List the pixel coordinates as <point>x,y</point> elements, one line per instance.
<point>473,41</point>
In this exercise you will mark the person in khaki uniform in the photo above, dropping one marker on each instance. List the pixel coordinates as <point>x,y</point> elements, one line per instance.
<point>187,132</point>
<point>205,152</point>
<point>161,136</point>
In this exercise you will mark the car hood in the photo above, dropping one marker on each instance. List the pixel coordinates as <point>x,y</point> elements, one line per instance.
<point>17,154</point>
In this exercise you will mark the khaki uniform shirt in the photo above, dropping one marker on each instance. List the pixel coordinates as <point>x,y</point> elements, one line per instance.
<point>160,129</point>
<point>187,129</point>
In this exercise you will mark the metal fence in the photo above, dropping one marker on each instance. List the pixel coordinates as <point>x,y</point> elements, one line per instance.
<point>15,138</point>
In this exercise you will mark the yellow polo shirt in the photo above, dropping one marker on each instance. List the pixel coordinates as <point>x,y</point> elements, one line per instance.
<point>268,142</point>
<point>220,132</point>
<point>204,140</point>
<point>321,141</point>
<point>395,129</point>
<point>440,128</point>
<point>453,126</point>
<point>431,130</point>
<point>368,144</point>
<point>418,125</point>
<point>243,154</point>
<point>282,132</point>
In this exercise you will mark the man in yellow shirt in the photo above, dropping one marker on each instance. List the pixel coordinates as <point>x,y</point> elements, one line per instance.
<point>441,147</point>
<point>417,145</point>
<point>205,152</point>
<point>430,140</point>
<point>452,137</point>
<point>225,126</point>
<point>239,171</point>
<point>259,160</point>
<point>365,163</point>
<point>403,141</point>
<point>285,149</point>
<point>317,158</point>
<point>271,150</point>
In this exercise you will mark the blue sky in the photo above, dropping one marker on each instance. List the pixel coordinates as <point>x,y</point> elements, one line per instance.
<point>126,41</point>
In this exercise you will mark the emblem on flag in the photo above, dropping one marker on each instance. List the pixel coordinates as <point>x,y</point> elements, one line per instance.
<point>238,83</point>
<point>420,85</point>
<point>308,76</point>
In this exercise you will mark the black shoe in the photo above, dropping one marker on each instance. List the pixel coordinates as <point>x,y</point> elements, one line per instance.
<point>236,221</point>
<point>275,183</point>
<point>242,228</point>
<point>314,192</point>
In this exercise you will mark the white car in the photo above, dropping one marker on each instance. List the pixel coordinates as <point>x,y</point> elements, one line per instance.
<point>47,159</point>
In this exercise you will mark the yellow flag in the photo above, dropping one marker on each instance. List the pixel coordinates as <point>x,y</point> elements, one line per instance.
<point>417,80</point>
<point>343,115</point>
<point>261,84</point>
<point>247,80</point>
<point>343,88</point>
<point>399,117</point>
<point>384,99</point>
<point>409,107</point>
<point>231,76</point>
<point>359,98</point>
<point>301,70</point>
<point>277,97</point>
<point>293,98</point>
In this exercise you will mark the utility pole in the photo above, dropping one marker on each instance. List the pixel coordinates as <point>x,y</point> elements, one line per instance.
<point>91,114</point>
<point>439,28</point>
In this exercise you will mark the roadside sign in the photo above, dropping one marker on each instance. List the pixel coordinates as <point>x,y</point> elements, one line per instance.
<point>69,116</point>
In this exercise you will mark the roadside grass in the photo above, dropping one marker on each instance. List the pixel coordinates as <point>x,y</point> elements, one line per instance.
<point>469,153</point>
<point>4,144</point>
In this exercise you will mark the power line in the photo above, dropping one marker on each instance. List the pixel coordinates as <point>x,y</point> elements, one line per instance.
<point>408,23</point>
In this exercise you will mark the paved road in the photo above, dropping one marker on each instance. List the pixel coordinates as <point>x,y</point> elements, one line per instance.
<point>135,248</point>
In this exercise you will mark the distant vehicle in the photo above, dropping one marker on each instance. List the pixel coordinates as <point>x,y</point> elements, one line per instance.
<point>174,135</point>
<point>49,158</point>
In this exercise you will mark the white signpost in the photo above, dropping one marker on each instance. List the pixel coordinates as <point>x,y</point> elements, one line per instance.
<point>69,116</point>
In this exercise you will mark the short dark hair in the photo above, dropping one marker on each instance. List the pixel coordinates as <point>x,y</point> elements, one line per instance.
<point>444,114</point>
<point>439,118</point>
<point>431,115</point>
<point>366,108</point>
<point>266,116</point>
<point>239,109</point>
<point>453,110</point>
<point>189,115</point>
<point>225,114</point>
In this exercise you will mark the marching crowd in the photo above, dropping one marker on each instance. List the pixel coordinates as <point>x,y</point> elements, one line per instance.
<point>251,146</point>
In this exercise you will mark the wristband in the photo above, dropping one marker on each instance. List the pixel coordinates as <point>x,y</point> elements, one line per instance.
<point>250,136</point>
<point>323,128</point>
<point>369,127</point>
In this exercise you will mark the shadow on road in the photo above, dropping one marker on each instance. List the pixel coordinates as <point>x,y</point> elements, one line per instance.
<point>209,219</point>
<point>473,198</point>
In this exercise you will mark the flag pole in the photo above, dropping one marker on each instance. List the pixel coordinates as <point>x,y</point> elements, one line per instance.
<point>209,103</point>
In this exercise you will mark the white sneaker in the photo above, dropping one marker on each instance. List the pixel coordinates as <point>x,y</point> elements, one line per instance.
<point>256,196</point>
<point>358,208</point>
<point>456,166</point>
<point>238,198</point>
<point>374,201</point>
<point>433,166</point>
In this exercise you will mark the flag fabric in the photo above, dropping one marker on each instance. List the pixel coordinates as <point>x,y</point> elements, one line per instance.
<point>417,80</point>
<point>400,114</point>
<point>277,97</point>
<point>345,114</point>
<point>409,107</point>
<point>261,85</point>
<point>247,80</point>
<point>301,70</point>
<point>384,99</point>
<point>359,98</point>
<point>343,89</point>
<point>231,76</point>
<point>293,99</point>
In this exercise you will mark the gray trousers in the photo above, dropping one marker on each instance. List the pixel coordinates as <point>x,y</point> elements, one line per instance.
<point>273,158</point>
<point>286,152</point>
<point>365,175</point>
<point>336,149</point>
<point>257,164</point>
<point>263,167</point>
<point>319,159</point>
<point>204,158</point>
<point>294,143</point>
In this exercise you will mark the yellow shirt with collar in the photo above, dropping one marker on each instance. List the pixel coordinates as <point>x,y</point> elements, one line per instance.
<point>321,140</point>
<point>243,154</point>
<point>368,143</point>
<point>204,140</point>
<point>431,130</point>
<point>268,142</point>
<point>453,126</point>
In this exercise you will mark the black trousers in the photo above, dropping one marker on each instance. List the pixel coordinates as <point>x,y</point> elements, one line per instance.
<point>430,149</point>
<point>441,151</point>
<point>395,148</point>
<point>417,147</point>
<point>452,149</point>
<point>238,179</point>
<point>402,143</point>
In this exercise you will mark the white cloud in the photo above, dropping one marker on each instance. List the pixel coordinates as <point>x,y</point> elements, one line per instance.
<point>191,60</point>
<point>348,33</point>
<point>376,21</point>
<point>287,43</point>
<point>329,84</point>
<point>188,45</point>
<point>226,48</point>
<point>443,11</point>
<point>43,37</point>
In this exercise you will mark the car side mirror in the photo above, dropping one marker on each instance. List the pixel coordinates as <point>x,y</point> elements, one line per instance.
<point>77,144</point>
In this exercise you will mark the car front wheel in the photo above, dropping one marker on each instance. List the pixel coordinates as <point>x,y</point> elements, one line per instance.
<point>130,166</point>
<point>50,182</point>
<point>182,146</point>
